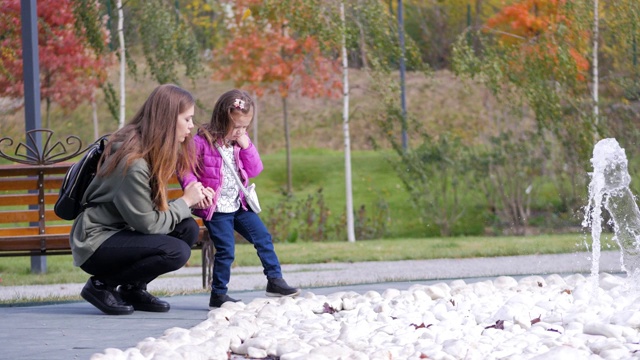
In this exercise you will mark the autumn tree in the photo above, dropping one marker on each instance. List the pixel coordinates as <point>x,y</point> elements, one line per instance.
<point>532,45</point>
<point>70,67</point>
<point>264,53</point>
<point>534,56</point>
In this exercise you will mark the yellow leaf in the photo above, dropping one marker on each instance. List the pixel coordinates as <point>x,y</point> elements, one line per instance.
<point>246,14</point>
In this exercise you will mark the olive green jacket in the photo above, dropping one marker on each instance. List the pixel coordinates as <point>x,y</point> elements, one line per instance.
<point>122,201</point>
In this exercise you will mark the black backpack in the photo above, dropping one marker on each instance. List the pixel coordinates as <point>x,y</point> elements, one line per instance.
<point>69,204</point>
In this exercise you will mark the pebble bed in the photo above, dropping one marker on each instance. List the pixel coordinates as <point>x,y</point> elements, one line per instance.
<point>552,317</point>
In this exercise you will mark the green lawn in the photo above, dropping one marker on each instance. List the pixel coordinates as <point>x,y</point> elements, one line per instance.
<point>373,180</point>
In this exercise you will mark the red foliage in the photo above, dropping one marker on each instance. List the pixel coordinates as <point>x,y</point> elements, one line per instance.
<point>69,69</point>
<point>522,22</point>
<point>263,56</point>
<point>529,18</point>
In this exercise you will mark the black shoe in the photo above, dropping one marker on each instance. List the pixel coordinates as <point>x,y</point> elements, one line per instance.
<point>279,287</point>
<point>105,298</point>
<point>142,300</point>
<point>216,300</point>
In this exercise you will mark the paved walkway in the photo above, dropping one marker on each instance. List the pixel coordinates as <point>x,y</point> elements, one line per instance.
<point>76,330</point>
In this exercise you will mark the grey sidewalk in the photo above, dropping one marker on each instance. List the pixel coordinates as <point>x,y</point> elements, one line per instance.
<point>76,330</point>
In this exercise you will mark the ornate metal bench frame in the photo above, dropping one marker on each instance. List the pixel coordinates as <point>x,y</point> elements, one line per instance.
<point>51,151</point>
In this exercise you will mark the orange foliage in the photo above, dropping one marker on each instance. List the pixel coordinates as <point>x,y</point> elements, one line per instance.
<point>69,69</point>
<point>529,18</point>
<point>263,56</point>
<point>521,23</point>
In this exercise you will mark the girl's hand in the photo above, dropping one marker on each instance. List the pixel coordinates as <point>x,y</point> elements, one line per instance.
<point>243,141</point>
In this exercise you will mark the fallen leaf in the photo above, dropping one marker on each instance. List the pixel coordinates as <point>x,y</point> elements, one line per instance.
<point>536,320</point>
<point>498,325</point>
<point>328,309</point>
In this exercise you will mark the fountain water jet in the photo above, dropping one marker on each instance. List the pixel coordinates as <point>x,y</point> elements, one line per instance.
<point>610,187</point>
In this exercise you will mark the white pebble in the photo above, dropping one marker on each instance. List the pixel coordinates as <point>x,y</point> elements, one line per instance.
<point>505,282</point>
<point>608,281</point>
<point>596,328</point>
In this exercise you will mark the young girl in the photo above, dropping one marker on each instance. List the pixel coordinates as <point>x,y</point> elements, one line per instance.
<point>227,131</point>
<point>133,233</point>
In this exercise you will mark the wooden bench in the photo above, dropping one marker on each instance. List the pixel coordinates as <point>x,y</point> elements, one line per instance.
<point>28,190</point>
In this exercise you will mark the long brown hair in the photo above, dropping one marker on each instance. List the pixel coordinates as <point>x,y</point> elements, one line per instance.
<point>232,101</point>
<point>151,135</point>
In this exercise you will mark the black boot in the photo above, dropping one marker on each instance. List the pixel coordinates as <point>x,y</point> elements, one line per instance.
<point>105,298</point>
<point>216,300</point>
<point>279,287</point>
<point>141,299</point>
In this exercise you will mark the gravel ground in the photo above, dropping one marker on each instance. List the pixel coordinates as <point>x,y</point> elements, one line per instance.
<point>189,280</point>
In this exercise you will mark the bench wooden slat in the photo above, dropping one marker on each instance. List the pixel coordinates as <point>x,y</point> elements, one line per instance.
<point>50,215</point>
<point>51,198</point>
<point>30,183</point>
<point>33,170</point>
<point>26,199</point>
<point>34,230</point>
<point>17,216</point>
<point>34,242</point>
<point>58,229</point>
<point>15,183</point>
<point>18,199</point>
<point>35,252</point>
<point>61,230</point>
<point>174,193</point>
<point>17,231</point>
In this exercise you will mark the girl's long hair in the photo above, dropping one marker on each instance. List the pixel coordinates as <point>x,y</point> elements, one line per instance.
<point>232,101</point>
<point>151,135</point>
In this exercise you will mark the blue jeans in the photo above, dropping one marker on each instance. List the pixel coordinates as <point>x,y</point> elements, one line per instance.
<point>249,225</point>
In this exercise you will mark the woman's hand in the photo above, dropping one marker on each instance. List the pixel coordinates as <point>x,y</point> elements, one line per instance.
<point>207,201</point>
<point>195,193</point>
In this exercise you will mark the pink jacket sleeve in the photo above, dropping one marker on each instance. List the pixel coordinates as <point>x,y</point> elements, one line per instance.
<point>190,176</point>
<point>251,162</point>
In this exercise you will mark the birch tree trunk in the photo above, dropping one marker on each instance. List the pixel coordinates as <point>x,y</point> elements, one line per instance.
<point>122,63</point>
<point>94,115</point>
<point>287,141</point>
<point>254,139</point>
<point>287,138</point>
<point>596,110</point>
<point>351,237</point>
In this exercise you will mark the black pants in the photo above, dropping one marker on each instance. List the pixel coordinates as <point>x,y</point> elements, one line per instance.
<point>131,257</point>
